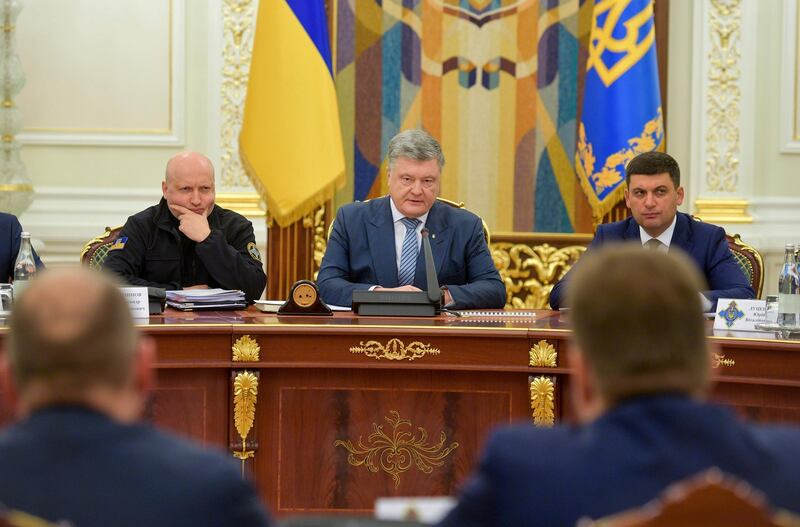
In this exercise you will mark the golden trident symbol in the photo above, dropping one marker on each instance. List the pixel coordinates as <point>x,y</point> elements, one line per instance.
<point>602,39</point>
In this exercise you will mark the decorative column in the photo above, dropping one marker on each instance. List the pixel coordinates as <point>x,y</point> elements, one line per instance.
<point>16,191</point>
<point>723,111</point>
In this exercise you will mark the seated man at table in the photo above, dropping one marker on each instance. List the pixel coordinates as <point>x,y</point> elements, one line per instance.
<point>80,375</point>
<point>9,246</point>
<point>653,194</point>
<point>376,244</point>
<point>186,241</point>
<point>641,368</point>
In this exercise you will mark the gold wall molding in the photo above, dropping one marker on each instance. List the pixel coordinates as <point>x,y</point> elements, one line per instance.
<point>245,397</point>
<point>723,96</point>
<point>248,205</point>
<point>529,270</point>
<point>720,360</point>
<point>722,210</point>
<point>316,220</point>
<point>238,29</point>
<point>543,355</point>
<point>543,401</point>
<point>246,349</point>
<point>395,349</point>
<point>399,450</point>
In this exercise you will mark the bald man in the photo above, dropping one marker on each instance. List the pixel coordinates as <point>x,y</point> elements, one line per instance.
<point>79,375</point>
<point>186,241</point>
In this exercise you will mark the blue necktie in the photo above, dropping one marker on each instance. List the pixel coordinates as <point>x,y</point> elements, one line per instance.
<point>408,257</point>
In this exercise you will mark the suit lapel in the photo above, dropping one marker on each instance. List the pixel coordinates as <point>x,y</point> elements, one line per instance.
<point>632,231</point>
<point>682,236</point>
<point>439,234</point>
<point>380,235</point>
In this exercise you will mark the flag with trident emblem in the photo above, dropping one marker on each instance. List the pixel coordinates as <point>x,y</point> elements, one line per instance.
<point>621,103</point>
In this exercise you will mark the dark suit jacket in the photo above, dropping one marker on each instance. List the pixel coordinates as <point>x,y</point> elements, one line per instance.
<point>361,253</point>
<point>533,476</point>
<point>10,230</point>
<point>74,464</point>
<point>704,243</point>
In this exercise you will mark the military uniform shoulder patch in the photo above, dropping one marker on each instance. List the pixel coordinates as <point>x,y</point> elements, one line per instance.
<point>253,250</point>
<point>119,243</point>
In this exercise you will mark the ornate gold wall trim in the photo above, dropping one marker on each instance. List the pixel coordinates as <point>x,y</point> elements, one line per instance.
<point>723,96</point>
<point>316,221</point>
<point>248,205</point>
<point>245,397</point>
<point>543,355</point>
<point>543,401</point>
<point>238,29</point>
<point>722,210</point>
<point>246,349</point>
<point>395,349</point>
<point>396,452</point>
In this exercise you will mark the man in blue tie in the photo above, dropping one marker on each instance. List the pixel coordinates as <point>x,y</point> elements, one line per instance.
<point>376,244</point>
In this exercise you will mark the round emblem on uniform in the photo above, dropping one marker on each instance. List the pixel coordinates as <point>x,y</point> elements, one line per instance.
<point>253,251</point>
<point>304,295</point>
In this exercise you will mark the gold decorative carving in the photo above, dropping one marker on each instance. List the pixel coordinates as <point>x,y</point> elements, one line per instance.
<point>543,401</point>
<point>238,28</point>
<point>245,395</point>
<point>720,360</point>
<point>543,355</point>
<point>248,205</point>
<point>395,454</point>
<point>724,96</point>
<point>530,271</point>
<point>722,210</point>
<point>246,349</point>
<point>316,220</point>
<point>395,349</point>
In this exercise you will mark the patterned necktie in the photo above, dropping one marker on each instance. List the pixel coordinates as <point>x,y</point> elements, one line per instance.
<point>653,244</point>
<point>408,257</point>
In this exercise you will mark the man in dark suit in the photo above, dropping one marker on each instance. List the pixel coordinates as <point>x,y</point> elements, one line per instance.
<point>653,194</point>
<point>80,374</point>
<point>376,244</point>
<point>641,370</point>
<point>9,246</point>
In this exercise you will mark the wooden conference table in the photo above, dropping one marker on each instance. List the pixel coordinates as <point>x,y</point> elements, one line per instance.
<point>336,411</point>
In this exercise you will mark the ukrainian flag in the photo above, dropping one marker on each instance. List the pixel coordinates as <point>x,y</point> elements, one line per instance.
<point>621,103</point>
<point>290,143</point>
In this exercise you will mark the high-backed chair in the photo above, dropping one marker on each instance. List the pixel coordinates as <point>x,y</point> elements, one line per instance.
<point>95,251</point>
<point>749,260</point>
<point>711,499</point>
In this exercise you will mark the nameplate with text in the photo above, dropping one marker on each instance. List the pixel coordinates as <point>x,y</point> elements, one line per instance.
<point>740,315</point>
<point>137,300</point>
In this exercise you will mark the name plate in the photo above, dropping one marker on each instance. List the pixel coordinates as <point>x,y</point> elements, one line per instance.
<point>137,300</point>
<point>740,315</point>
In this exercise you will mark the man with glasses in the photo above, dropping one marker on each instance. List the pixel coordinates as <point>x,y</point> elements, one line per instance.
<point>376,244</point>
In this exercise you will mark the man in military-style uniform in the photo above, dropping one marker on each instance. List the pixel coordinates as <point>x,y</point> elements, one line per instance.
<point>186,242</point>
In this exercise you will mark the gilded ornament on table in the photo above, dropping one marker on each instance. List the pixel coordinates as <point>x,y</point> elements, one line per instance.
<point>397,451</point>
<point>543,355</point>
<point>245,396</point>
<point>720,360</point>
<point>395,349</point>
<point>246,349</point>
<point>543,401</point>
<point>529,272</point>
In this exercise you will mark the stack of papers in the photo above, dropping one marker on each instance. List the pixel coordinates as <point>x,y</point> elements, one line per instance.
<point>192,299</point>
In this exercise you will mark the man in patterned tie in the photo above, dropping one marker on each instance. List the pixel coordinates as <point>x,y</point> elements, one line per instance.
<point>653,194</point>
<point>376,244</point>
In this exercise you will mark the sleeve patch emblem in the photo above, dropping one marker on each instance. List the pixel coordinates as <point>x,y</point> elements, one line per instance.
<point>253,250</point>
<point>119,243</point>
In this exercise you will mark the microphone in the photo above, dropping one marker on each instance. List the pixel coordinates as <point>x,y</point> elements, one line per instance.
<point>434,293</point>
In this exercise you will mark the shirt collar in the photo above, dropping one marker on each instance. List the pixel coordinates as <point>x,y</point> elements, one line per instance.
<point>665,237</point>
<point>397,215</point>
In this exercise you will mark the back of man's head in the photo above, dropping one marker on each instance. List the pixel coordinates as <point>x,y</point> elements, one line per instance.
<point>70,331</point>
<point>638,321</point>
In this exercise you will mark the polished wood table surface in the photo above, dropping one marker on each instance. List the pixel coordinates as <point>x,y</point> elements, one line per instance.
<point>328,413</point>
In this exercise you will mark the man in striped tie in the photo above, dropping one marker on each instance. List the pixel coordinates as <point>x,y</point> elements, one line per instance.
<point>376,244</point>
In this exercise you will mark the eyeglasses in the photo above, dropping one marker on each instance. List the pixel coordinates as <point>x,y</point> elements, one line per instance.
<point>408,181</point>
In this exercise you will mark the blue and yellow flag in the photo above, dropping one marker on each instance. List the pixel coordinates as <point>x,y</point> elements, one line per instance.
<point>291,143</point>
<point>621,102</point>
